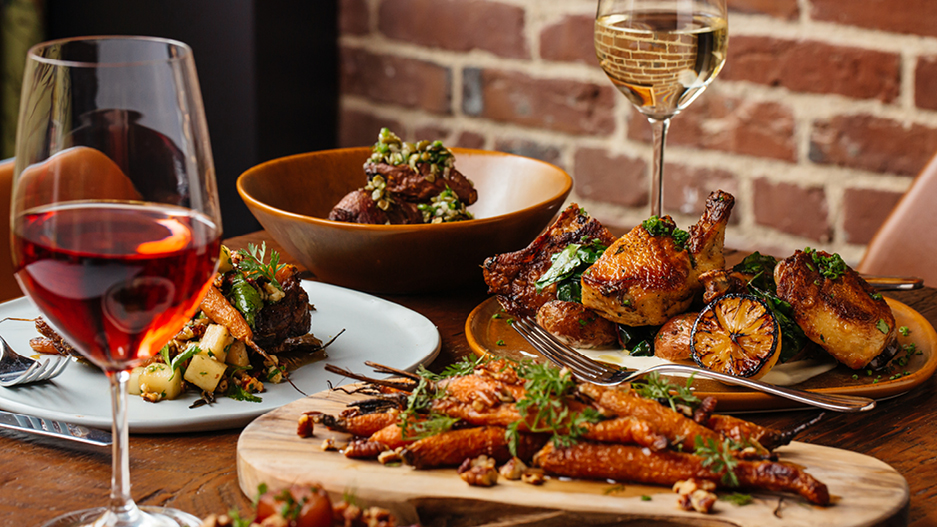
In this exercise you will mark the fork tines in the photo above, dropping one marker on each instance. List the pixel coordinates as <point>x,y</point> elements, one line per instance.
<point>558,352</point>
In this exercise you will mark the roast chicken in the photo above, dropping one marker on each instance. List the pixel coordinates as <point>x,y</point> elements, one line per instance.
<point>838,310</point>
<point>513,277</point>
<point>643,279</point>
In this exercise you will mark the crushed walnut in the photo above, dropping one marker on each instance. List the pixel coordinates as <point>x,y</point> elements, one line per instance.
<point>695,495</point>
<point>479,472</point>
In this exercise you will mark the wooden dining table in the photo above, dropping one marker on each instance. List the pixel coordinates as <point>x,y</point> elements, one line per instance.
<point>196,472</point>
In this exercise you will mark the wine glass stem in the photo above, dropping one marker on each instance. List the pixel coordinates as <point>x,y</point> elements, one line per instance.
<point>122,505</point>
<point>659,127</point>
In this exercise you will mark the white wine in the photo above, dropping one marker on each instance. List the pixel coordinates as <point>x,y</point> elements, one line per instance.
<point>660,61</point>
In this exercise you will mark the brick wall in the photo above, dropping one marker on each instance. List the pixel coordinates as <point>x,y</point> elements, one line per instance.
<point>823,114</point>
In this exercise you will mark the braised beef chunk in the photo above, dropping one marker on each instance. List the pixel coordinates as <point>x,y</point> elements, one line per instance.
<point>513,276</point>
<point>405,184</point>
<point>358,207</point>
<point>290,317</point>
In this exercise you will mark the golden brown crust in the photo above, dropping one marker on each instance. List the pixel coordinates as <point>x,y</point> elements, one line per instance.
<point>577,325</point>
<point>845,316</point>
<point>512,276</point>
<point>455,446</point>
<point>361,425</point>
<point>673,338</point>
<point>633,463</point>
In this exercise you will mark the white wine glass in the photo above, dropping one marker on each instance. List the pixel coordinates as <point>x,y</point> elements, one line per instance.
<point>115,225</point>
<point>661,54</point>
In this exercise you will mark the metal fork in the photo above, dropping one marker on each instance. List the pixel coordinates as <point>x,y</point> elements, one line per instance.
<point>589,370</point>
<point>16,369</point>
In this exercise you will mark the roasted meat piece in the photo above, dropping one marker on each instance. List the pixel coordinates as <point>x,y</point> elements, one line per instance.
<point>403,183</point>
<point>645,278</point>
<point>359,207</point>
<point>290,317</point>
<point>576,325</point>
<point>837,309</point>
<point>513,276</point>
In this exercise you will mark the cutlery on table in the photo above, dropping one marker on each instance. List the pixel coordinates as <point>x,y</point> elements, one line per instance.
<point>894,283</point>
<point>16,369</point>
<point>52,428</point>
<point>589,370</point>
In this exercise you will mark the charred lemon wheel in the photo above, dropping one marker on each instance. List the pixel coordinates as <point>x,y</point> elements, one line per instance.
<point>737,335</point>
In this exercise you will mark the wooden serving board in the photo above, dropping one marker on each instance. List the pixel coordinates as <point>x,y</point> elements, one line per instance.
<point>865,490</point>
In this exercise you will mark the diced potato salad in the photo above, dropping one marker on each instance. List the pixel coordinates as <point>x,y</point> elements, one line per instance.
<point>208,356</point>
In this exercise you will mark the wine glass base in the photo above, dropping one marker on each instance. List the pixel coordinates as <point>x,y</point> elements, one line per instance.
<point>150,517</point>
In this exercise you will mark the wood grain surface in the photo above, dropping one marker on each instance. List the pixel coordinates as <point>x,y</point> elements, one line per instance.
<point>40,479</point>
<point>864,490</point>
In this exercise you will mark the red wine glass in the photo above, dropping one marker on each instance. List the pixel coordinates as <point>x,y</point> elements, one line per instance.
<point>115,219</point>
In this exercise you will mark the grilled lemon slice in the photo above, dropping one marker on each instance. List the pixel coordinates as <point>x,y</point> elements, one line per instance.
<point>738,335</point>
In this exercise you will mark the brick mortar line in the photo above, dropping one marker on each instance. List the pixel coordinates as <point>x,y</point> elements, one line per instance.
<point>802,172</point>
<point>817,105</point>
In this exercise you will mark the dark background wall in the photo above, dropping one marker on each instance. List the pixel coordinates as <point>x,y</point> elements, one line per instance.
<point>267,70</point>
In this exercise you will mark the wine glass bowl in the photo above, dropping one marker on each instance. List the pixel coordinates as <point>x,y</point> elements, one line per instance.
<point>115,223</point>
<point>661,54</point>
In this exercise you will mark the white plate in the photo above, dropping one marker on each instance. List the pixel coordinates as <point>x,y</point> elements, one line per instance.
<point>375,329</point>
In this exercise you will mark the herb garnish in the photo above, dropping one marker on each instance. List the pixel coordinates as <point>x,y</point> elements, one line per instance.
<point>177,361</point>
<point>830,266</point>
<point>762,285</point>
<point>238,393</point>
<point>568,266</point>
<point>653,386</point>
<point>904,331</point>
<point>252,264</point>
<point>882,326</point>
<point>718,458</point>
<point>659,227</point>
<point>546,389</point>
<point>737,498</point>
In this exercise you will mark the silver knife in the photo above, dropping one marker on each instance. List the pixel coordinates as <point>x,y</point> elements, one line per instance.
<point>51,428</point>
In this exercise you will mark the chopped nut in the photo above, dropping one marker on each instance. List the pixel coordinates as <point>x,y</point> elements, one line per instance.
<point>479,472</point>
<point>513,469</point>
<point>688,486</point>
<point>389,456</point>
<point>328,444</point>
<point>378,517</point>
<point>533,476</point>
<point>703,500</point>
<point>305,426</point>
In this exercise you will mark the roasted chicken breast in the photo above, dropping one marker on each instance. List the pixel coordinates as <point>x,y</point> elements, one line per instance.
<point>645,278</point>
<point>837,309</point>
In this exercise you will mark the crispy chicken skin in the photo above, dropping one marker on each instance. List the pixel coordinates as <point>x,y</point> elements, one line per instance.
<point>844,315</point>
<point>643,280</point>
<point>512,276</point>
<point>633,463</point>
<point>577,325</point>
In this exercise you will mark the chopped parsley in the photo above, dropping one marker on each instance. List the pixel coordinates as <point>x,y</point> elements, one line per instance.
<point>882,326</point>
<point>238,393</point>
<point>830,266</point>
<point>659,227</point>
<point>737,498</point>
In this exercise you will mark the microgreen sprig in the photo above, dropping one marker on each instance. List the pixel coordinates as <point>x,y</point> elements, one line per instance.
<point>252,263</point>
<point>718,458</point>
<point>653,386</point>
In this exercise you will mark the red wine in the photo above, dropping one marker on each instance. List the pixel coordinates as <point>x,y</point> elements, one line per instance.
<point>117,280</point>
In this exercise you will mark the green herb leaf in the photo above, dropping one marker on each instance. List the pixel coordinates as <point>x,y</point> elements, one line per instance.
<point>653,386</point>
<point>238,393</point>
<point>737,498</point>
<point>177,361</point>
<point>252,264</point>
<point>568,266</point>
<point>658,227</point>
<point>904,331</point>
<point>245,298</point>
<point>882,326</point>
<point>718,458</point>
<point>830,266</point>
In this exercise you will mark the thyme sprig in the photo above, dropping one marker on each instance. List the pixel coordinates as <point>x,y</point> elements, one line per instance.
<point>545,406</point>
<point>718,458</point>
<point>252,264</point>
<point>655,387</point>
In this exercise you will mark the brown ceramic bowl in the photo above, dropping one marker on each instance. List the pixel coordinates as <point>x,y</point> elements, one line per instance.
<point>292,196</point>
